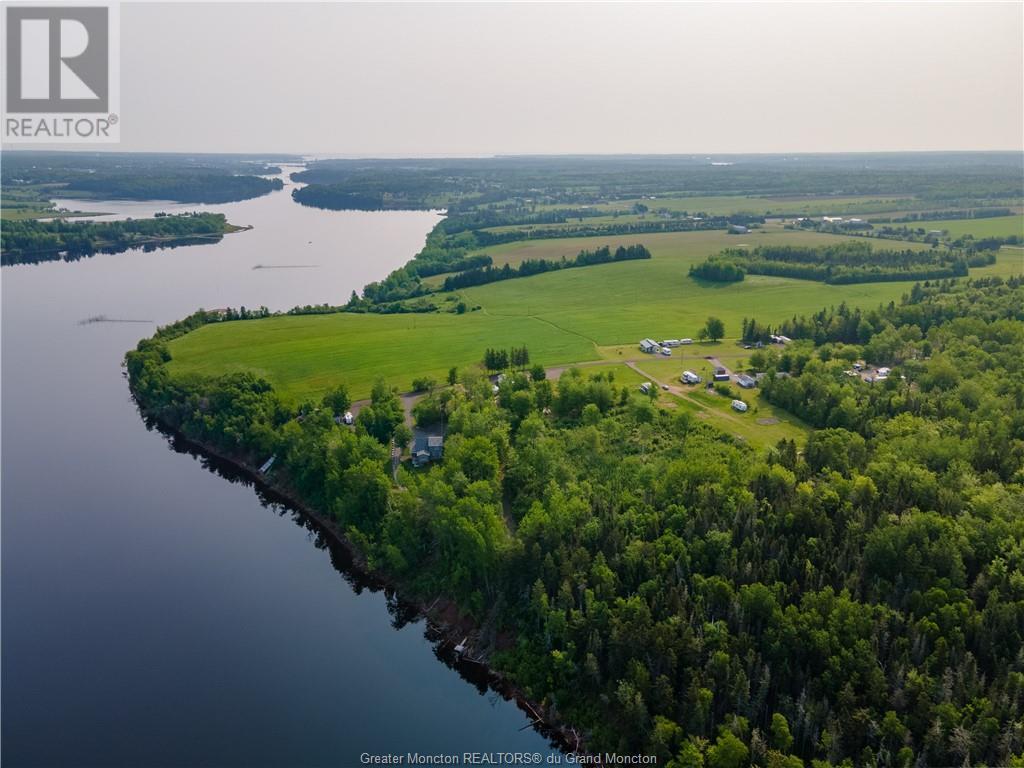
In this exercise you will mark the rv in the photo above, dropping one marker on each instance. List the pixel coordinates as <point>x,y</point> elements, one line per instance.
<point>689,377</point>
<point>666,352</point>
<point>646,387</point>
<point>686,341</point>
<point>739,405</point>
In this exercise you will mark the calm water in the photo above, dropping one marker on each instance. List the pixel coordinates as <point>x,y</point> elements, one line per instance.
<point>156,613</point>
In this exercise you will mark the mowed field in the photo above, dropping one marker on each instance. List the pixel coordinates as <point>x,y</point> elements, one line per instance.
<point>563,318</point>
<point>303,356</point>
<point>997,226</point>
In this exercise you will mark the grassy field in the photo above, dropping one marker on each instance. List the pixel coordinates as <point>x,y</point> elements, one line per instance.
<point>570,316</point>
<point>689,247</point>
<point>33,202</point>
<point>305,355</point>
<point>621,303</point>
<point>997,226</point>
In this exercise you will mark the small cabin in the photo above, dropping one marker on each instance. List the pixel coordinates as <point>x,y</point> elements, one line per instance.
<point>650,346</point>
<point>739,405</point>
<point>720,374</point>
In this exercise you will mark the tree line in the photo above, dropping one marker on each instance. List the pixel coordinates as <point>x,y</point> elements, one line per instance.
<point>843,263</point>
<point>27,240</point>
<point>528,267</point>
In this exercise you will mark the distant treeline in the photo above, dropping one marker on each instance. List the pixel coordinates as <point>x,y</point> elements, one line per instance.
<point>204,178</point>
<point>336,198</point>
<point>603,255</point>
<point>974,213</point>
<point>31,240</point>
<point>574,181</point>
<point>186,187</point>
<point>839,264</point>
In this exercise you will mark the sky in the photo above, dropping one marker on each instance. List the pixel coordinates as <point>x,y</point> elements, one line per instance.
<point>467,79</point>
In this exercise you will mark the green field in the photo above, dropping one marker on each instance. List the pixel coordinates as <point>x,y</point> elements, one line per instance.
<point>997,226</point>
<point>621,303</point>
<point>303,356</point>
<point>690,247</point>
<point>563,317</point>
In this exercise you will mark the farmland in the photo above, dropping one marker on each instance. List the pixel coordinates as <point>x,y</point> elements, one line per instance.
<point>563,317</point>
<point>997,226</point>
<point>683,247</point>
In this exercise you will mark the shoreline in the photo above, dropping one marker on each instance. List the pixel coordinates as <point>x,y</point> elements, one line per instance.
<point>436,615</point>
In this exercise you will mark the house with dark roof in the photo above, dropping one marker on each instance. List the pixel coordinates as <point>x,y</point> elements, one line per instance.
<point>427,448</point>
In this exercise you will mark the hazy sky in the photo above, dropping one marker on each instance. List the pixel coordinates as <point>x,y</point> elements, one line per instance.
<point>545,78</point>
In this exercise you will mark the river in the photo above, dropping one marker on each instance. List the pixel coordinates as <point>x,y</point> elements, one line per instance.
<point>157,612</point>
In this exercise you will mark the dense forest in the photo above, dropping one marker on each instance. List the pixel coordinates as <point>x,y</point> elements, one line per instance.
<point>666,589</point>
<point>842,263</point>
<point>32,240</point>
